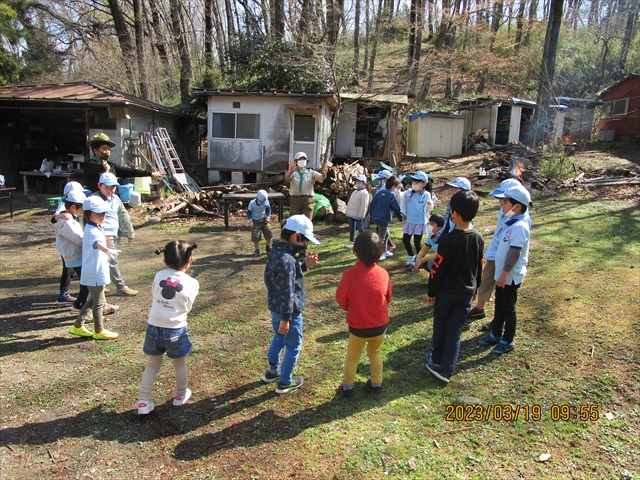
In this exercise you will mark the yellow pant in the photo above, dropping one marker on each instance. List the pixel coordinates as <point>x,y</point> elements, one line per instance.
<point>354,351</point>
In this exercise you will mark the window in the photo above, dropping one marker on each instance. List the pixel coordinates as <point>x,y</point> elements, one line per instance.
<point>304,128</point>
<point>616,107</point>
<point>235,125</point>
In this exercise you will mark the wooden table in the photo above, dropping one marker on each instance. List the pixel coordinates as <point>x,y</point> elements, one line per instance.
<point>5,192</point>
<point>74,174</point>
<point>230,197</point>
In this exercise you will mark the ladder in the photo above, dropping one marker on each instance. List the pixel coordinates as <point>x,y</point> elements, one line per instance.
<point>173,163</point>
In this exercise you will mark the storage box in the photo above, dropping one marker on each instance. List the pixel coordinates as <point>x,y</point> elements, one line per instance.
<point>124,191</point>
<point>356,152</point>
<point>606,135</point>
<point>52,204</point>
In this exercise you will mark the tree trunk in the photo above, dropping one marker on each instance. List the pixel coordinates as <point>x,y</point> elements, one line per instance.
<point>519,25</point>
<point>160,46</point>
<point>142,77</point>
<point>498,7</point>
<point>375,43</point>
<point>332,22</point>
<point>632,13</point>
<point>306,14</point>
<point>547,69</point>
<point>231,29</point>
<point>594,17</point>
<point>356,41</point>
<point>186,73</point>
<point>413,27</point>
<point>208,33</point>
<point>277,20</point>
<point>533,17</point>
<point>125,41</point>
<point>367,36</point>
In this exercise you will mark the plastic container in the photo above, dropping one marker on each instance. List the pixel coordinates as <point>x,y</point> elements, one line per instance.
<point>124,191</point>
<point>142,185</point>
<point>52,204</point>
<point>135,199</point>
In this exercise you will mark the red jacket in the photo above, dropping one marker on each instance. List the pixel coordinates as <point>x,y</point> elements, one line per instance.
<point>365,293</point>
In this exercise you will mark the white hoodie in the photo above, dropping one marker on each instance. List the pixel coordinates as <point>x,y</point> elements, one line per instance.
<point>69,234</point>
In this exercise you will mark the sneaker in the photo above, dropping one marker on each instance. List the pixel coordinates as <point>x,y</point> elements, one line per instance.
<point>64,299</point>
<point>80,331</point>
<point>256,253</point>
<point>375,392</point>
<point>502,347</point>
<point>106,290</point>
<point>269,376</point>
<point>349,245</point>
<point>105,335</point>
<point>476,312</point>
<point>179,401</point>
<point>345,394</point>
<point>489,340</point>
<point>486,327</point>
<point>296,382</point>
<point>411,261</point>
<point>436,372</point>
<point>388,254</point>
<point>145,407</point>
<point>109,309</point>
<point>430,357</point>
<point>126,292</point>
<point>76,307</point>
<point>268,248</point>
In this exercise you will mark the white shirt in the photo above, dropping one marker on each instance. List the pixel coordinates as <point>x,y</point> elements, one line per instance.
<point>173,295</point>
<point>95,264</point>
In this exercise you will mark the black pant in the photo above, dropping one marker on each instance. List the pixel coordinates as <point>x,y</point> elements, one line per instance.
<point>417,242</point>
<point>505,312</point>
<point>65,278</point>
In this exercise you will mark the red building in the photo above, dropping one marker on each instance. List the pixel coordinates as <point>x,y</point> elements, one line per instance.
<point>621,110</point>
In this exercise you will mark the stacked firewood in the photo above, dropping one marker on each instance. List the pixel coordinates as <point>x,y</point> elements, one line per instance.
<point>340,181</point>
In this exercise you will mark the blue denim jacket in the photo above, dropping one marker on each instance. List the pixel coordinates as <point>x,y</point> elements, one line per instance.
<point>284,280</point>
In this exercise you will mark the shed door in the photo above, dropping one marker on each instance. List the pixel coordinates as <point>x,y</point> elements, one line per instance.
<point>304,137</point>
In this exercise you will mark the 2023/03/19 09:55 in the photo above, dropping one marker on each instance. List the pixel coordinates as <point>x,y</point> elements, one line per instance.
<point>534,412</point>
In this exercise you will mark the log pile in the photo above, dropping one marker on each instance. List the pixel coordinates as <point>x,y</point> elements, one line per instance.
<point>340,181</point>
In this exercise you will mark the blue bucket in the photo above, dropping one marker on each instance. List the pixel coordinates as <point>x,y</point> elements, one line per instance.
<point>124,191</point>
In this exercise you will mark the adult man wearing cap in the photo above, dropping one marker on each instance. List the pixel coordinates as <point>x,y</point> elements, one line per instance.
<point>99,163</point>
<point>301,184</point>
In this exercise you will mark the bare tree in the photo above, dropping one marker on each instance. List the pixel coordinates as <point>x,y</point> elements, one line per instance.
<point>137,18</point>
<point>374,50</point>
<point>124,38</point>
<point>186,72</point>
<point>356,40</point>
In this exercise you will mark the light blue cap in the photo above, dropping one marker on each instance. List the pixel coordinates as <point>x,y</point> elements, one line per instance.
<point>361,178</point>
<point>95,204</point>
<point>460,182</point>
<point>509,182</point>
<point>302,225</point>
<point>517,193</point>
<point>420,176</point>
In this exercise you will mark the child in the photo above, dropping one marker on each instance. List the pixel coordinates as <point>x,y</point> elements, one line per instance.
<point>357,208</point>
<point>95,268</point>
<point>364,293</point>
<point>259,214</point>
<point>459,184</point>
<point>455,277</point>
<point>384,202</point>
<point>416,205</point>
<point>383,176</point>
<point>117,221</point>
<point>65,277</point>
<point>511,260</point>
<point>286,298</point>
<point>69,238</point>
<point>173,295</point>
<point>488,283</point>
<point>436,222</point>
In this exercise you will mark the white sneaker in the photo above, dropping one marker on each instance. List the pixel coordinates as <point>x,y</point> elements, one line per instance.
<point>382,257</point>
<point>411,261</point>
<point>349,245</point>
<point>388,254</point>
<point>178,401</point>
<point>144,407</point>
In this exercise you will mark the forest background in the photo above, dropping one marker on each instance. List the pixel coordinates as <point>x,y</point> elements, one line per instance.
<point>432,50</point>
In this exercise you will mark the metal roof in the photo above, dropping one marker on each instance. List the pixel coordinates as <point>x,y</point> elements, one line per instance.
<point>434,113</point>
<point>377,97</point>
<point>77,93</point>
<point>279,93</point>
<point>468,103</point>
<point>614,85</point>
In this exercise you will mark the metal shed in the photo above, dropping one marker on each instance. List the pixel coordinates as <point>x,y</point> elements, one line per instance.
<point>435,134</point>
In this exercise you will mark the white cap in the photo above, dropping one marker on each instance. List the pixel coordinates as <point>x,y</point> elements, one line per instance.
<point>460,182</point>
<point>517,193</point>
<point>300,155</point>
<point>509,182</point>
<point>108,179</point>
<point>262,195</point>
<point>384,174</point>
<point>361,178</point>
<point>302,225</point>
<point>72,186</point>
<point>95,204</point>
<point>76,196</point>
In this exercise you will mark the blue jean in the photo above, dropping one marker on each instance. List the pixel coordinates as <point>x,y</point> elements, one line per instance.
<point>449,314</point>
<point>293,343</point>
<point>355,224</point>
<point>172,341</point>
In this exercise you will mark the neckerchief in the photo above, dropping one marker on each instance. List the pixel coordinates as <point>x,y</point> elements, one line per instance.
<point>301,172</point>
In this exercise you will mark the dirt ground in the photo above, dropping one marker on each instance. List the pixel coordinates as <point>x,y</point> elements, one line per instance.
<point>49,430</point>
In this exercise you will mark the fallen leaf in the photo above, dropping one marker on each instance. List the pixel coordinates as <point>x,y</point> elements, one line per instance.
<point>609,416</point>
<point>544,457</point>
<point>412,463</point>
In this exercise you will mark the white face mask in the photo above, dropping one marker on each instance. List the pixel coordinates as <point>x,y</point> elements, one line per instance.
<point>429,229</point>
<point>417,187</point>
<point>302,163</point>
<point>359,185</point>
<point>510,213</point>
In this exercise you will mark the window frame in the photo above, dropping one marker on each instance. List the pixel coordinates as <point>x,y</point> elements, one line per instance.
<point>235,131</point>
<point>609,107</point>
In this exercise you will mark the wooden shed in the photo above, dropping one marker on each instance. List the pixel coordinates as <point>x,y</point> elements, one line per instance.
<point>621,111</point>
<point>435,134</point>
